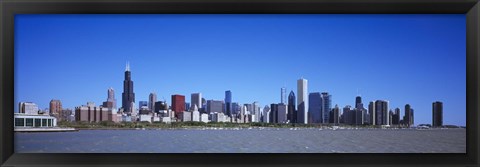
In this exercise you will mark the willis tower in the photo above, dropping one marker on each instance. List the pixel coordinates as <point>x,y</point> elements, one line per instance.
<point>128,97</point>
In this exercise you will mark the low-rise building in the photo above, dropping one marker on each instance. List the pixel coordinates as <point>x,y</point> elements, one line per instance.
<point>34,120</point>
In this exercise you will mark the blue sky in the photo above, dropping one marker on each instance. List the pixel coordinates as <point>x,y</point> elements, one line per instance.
<point>415,59</point>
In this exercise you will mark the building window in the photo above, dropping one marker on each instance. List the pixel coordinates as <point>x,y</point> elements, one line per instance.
<point>49,122</point>
<point>29,121</point>
<point>19,122</point>
<point>44,122</point>
<point>37,122</point>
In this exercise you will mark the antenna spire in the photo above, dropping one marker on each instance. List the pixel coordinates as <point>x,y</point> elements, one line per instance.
<point>127,68</point>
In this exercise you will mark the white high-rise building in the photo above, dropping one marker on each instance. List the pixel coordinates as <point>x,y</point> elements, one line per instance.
<point>256,112</point>
<point>195,114</point>
<point>266,113</point>
<point>302,102</point>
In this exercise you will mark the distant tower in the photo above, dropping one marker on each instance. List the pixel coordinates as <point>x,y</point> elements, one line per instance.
<point>111,97</point>
<point>408,116</point>
<point>128,96</point>
<point>196,99</point>
<point>152,98</point>
<point>437,114</point>
<point>55,108</point>
<point>283,96</point>
<point>326,106</point>
<point>315,107</point>
<point>292,112</point>
<point>302,102</point>
<point>228,103</point>
<point>381,112</point>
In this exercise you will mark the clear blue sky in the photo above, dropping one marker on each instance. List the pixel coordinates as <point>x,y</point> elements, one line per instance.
<point>415,59</point>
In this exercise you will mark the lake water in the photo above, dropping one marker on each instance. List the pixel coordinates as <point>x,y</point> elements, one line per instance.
<point>257,140</point>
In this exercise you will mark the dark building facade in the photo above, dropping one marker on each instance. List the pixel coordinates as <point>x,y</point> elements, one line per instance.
<point>315,107</point>
<point>228,103</point>
<point>437,114</point>
<point>396,117</point>
<point>326,106</point>
<point>178,104</point>
<point>128,96</point>
<point>381,112</point>
<point>292,112</point>
<point>408,117</point>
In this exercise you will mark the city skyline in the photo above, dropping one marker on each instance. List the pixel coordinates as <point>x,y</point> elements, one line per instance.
<point>251,88</point>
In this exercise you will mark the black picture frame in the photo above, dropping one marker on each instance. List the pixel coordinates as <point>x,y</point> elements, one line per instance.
<point>9,8</point>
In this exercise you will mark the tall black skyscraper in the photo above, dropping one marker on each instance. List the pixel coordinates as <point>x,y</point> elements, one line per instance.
<point>292,113</point>
<point>128,97</point>
<point>437,114</point>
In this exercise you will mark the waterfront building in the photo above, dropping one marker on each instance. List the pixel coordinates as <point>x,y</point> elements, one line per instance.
<point>178,104</point>
<point>256,111</point>
<point>266,113</point>
<point>195,114</point>
<point>348,115</point>
<point>281,115</point>
<point>326,106</point>
<point>381,112</point>
<point>145,118</point>
<point>32,120</point>
<point>236,108</point>
<point>228,103</point>
<point>272,117</point>
<point>437,114</point>
<point>92,113</point>
<point>335,115</point>
<point>152,98</point>
<point>396,117</point>
<point>359,113</point>
<point>111,101</point>
<point>128,96</point>
<point>292,112</point>
<point>55,108</point>
<point>302,102</point>
<point>408,116</point>
<point>204,117</point>
<point>214,106</point>
<point>28,108</point>
<point>186,116</point>
<point>371,112</point>
<point>196,99</point>
<point>315,107</point>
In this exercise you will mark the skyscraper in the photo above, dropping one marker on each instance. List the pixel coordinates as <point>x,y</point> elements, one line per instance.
<point>302,102</point>
<point>381,112</point>
<point>283,96</point>
<point>371,112</point>
<point>196,99</point>
<point>437,114</point>
<point>111,101</point>
<point>228,103</point>
<point>315,107</point>
<point>55,108</point>
<point>128,96</point>
<point>396,117</point>
<point>408,117</point>
<point>326,106</point>
<point>152,98</point>
<point>178,104</point>
<point>292,112</point>
<point>336,115</point>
